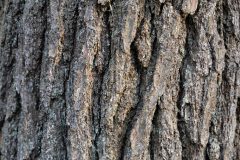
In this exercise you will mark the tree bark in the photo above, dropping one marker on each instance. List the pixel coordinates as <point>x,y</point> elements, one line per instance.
<point>120,79</point>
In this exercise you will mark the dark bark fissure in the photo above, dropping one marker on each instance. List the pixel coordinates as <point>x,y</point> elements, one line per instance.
<point>16,117</point>
<point>183,135</point>
<point>155,47</point>
<point>228,28</point>
<point>219,15</point>
<point>143,79</point>
<point>40,59</point>
<point>237,131</point>
<point>134,55</point>
<point>97,94</point>
<point>154,127</point>
<point>238,110</point>
<point>66,80</point>
<point>2,122</point>
<point>213,57</point>
<point>132,111</point>
<point>35,73</point>
<point>17,111</point>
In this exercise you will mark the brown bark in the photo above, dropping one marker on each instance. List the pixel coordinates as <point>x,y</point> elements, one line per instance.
<point>120,79</point>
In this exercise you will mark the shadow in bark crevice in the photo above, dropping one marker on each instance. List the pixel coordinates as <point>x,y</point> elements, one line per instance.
<point>106,49</point>
<point>145,74</point>
<point>190,38</point>
<point>68,62</point>
<point>154,127</point>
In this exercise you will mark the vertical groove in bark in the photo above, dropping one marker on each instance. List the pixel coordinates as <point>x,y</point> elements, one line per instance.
<point>186,60</point>
<point>101,66</point>
<point>71,15</point>
<point>153,137</point>
<point>237,131</point>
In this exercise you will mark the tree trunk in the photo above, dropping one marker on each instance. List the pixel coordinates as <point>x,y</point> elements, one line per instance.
<point>120,79</point>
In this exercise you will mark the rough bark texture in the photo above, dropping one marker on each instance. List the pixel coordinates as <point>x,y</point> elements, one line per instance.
<point>120,79</point>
